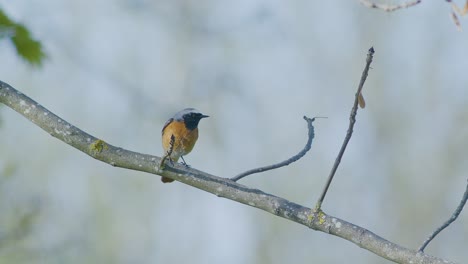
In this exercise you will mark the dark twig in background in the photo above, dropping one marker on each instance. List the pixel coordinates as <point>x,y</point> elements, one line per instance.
<point>349,133</point>
<point>389,8</point>
<point>456,10</point>
<point>288,161</point>
<point>448,222</point>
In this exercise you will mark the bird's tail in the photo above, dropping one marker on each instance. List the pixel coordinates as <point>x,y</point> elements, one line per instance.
<point>169,180</point>
<point>166,180</point>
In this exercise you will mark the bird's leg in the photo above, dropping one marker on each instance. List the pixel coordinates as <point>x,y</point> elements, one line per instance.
<point>184,163</point>
<point>171,161</point>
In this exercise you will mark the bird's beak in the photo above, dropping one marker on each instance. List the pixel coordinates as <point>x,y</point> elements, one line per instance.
<point>204,116</point>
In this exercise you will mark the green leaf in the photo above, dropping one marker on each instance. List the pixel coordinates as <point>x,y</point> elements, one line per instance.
<point>27,48</point>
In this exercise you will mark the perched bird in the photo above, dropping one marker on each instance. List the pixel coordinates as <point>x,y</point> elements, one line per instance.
<point>183,128</point>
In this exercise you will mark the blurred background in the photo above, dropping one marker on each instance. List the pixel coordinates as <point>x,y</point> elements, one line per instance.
<point>120,69</point>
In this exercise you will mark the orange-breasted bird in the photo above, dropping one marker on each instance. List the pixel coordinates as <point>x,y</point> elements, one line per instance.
<point>183,126</point>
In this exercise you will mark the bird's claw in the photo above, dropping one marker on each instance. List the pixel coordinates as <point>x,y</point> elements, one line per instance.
<point>184,163</point>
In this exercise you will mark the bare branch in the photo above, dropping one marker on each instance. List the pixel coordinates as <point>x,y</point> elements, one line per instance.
<point>448,222</point>
<point>221,187</point>
<point>288,161</point>
<point>455,20</point>
<point>457,10</point>
<point>349,133</point>
<point>389,8</point>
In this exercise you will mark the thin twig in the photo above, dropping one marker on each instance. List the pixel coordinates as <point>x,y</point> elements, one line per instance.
<point>288,161</point>
<point>349,133</point>
<point>448,222</point>
<point>455,20</point>
<point>389,8</point>
<point>457,10</point>
<point>168,153</point>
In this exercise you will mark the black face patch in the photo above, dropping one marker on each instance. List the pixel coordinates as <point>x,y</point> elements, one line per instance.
<point>191,120</point>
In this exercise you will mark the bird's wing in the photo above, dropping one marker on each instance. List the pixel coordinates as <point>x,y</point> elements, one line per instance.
<point>167,123</point>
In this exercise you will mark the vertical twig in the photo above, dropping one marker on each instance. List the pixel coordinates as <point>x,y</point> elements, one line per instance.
<point>349,133</point>
<point>168,153</point>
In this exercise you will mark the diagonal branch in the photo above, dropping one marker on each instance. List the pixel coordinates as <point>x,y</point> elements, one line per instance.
<point>349,133</point>
<point>218,186</point>
<point>448,222</point>
<point>288,161</point>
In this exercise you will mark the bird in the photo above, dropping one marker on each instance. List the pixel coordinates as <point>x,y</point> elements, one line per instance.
<point>179,135</point>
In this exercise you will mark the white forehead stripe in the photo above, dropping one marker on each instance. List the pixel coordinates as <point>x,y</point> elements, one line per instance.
<point>178,116</point>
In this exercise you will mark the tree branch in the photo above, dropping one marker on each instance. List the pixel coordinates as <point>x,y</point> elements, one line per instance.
<point>349,133</point>
<point>389,8</point>
<point>221,187</point>
<point>288,161</point>
<point>448,222</point>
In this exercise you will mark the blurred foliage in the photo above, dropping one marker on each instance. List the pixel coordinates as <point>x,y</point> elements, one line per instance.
<point>17,225</point>
<point>19,216</point>
<point>7,171</point>
<point>27,48</point>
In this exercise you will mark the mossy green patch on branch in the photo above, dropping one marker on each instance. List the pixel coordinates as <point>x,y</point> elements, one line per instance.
<point>311,216</point>
<point>317,214</point>
<point>321,217</point>
<point>98,146</point>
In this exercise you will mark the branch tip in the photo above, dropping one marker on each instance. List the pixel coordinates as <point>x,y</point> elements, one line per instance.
<point>294,158</point>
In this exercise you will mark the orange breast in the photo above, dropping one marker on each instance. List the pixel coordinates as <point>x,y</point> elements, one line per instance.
<point>184,139</point>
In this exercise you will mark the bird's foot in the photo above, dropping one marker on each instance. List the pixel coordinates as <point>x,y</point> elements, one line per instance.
<point>184,163</point>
